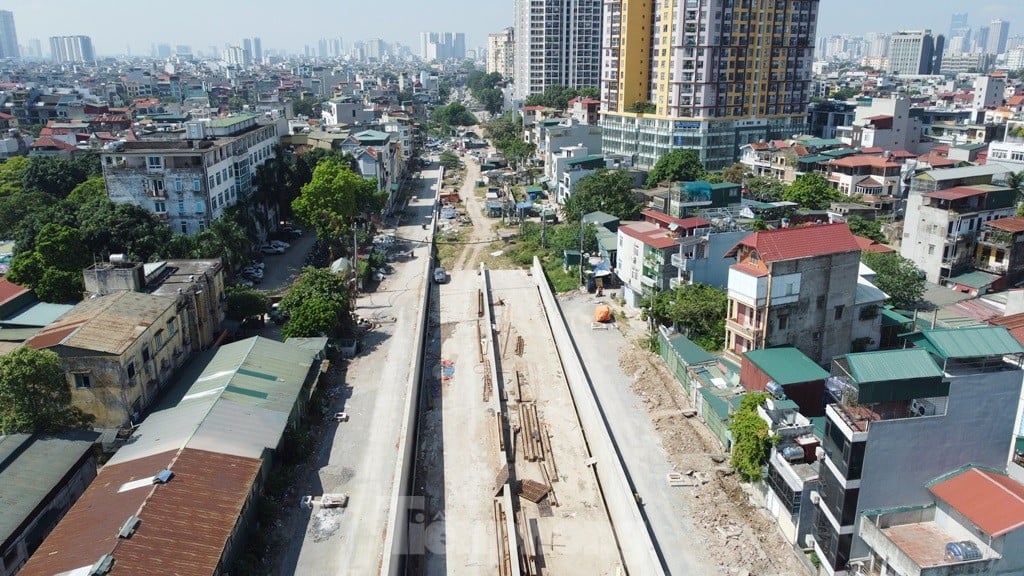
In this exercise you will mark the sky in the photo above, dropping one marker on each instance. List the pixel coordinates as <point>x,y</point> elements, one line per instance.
<point>117,24</point>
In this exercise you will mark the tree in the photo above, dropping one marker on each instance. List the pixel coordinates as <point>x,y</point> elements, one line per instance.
<point>54,268</point>
<point>844,93</point>
<point>679,165</point>
<point>736,173</point>
<point>866,228</point>
<point>454,114</point>
<point>11,174</point>
<point>318,303</point>
<point>308,106</point>
<point>642,107</point>
<point>334,197</point>
<point>1015,180</point>
<point>558,96</point>
<point>508,125</point>
<point>752,440</point>
<point>811,191</point>
<point>609,191</point>
<point>696,310</point>
<point>515,150</point>
<point>109,228</point>
<point>34,394</point>
<point>58,176</point>
<point>897,276</point>
<point>224,239</point>
<point>765,189</point>
<point>245,302</point>
<point>92,189</point>
<point>448,160</point>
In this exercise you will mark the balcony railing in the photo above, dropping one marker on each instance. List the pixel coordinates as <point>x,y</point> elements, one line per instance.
<point>989,266</point>
<point>744,325</point>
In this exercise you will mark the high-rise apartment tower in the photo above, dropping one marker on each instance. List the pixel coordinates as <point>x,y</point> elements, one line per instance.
<point>557,42</point>
<point>711,75</point>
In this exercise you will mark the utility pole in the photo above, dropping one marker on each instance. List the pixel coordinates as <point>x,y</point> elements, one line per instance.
<point>581,248</point>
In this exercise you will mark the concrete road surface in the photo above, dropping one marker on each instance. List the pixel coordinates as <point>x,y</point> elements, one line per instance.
<point>646,461</point>
<point>360,458</point>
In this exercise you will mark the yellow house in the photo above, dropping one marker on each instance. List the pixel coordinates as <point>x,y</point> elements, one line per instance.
<point>118,352</point>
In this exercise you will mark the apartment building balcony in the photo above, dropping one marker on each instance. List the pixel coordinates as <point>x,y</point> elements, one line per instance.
<point>679,281</point>
<point>993,266</point>
<point>912,542</point>
<point>745,325</point>
<point>995,238</point>
<point>157,194</point>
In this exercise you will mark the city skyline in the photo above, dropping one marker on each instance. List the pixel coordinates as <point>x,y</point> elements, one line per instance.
<point>262,19</point>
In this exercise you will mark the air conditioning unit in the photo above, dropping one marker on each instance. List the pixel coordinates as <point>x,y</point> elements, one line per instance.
<point>815,497</point>
<point>921,407</point>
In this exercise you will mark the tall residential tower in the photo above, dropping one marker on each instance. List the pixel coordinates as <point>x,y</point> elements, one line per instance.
<point>556,42</point>
<point>8,37</point>
<point>711,75</point>
<point>64,49</point>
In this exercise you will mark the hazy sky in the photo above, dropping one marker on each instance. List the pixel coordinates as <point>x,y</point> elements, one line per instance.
<point>115,24</point>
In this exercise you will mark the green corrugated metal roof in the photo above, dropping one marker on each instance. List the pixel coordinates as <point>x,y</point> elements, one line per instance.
<point>33,466</point>
<point>536,189</point>
<point>256,371</point>
<point>893,318</point>
<point>888,365</point>
<point>840,152</point>
<point>688,351</point>
<point>814,158</point>
<point>786,365</point>
<point>969,342</point>
<point>819,426</point>
<point>821,142</point>
<point>976,279</point>
<point>718,404</point>
<point>606,239</point>
<point>973,147</point>
<point>584,159</point>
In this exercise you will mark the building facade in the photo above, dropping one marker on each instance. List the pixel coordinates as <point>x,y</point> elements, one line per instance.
<point>946,210</point>
<point>911,52</point>
<point>71,49</point>
<point>895,421</point>
<point>713,77</point>
<point>795,286</point>
<point>8,35</point>
<point>501,52</point>
<point>190,182</point>
<point>557,42</point>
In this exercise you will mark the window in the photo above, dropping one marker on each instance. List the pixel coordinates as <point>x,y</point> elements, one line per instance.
<point>931,248</point>
<point>184,228</point>
<point>839,313</point>
<point>82,380</point>
<point>821,303</point>
<point>131,369</point>
<point>181,206</point>
<point>197,185</point>
<point>145,353</point>
<point>178,186</point>
<point>159,338</point>
<point>154,162</point>
<point>783,322</point>
<point>159,206</point>
<point>172,327</point>
<point>211,182</point>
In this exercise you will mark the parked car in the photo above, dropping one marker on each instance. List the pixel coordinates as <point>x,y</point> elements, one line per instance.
<point>440,275</point>
<point>271,249</point>
<point>280,243</point>
<point>293,232</point>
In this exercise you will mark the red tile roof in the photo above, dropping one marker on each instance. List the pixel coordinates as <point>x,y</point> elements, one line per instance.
<point>9,290</point>
<point>861,160</point>
<point>1012,224</point>
<point>650,234</point>
<point>800,242</point>
<point>992,501</point>
<point>1014,323</point>
<point>869,245</point>
<point>872,150</point>
<point>665,220</point>
<point>749,270</point>
<point>48,142</point>
<point>955,193</point>
<point>902,154</point>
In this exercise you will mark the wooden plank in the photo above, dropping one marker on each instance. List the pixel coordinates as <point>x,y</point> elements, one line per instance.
<point>549,456</point>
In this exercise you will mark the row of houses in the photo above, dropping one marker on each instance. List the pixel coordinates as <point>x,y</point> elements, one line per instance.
<point>182,493</point>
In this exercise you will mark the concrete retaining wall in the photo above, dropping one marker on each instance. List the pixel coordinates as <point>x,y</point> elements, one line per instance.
<point>492,351</point>
<point>635,544</point>
<point>396,536</point>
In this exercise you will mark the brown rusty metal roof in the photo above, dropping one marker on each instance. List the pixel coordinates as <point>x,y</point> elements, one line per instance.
<point>187,522</point>
<point>108,324</point>
<point>89,530</point>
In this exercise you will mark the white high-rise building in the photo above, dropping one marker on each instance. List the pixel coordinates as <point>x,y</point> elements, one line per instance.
<point>71,49</point>
<point>556,42</point>
<point>501,52</point>
<point>911,52</point>
<point>998,32</point>
<point>8,36</point>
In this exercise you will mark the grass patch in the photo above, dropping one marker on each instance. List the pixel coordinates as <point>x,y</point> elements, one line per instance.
<point>449,246</point>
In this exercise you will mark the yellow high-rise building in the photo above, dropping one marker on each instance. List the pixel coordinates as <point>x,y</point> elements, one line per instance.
<point>710,75</point>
